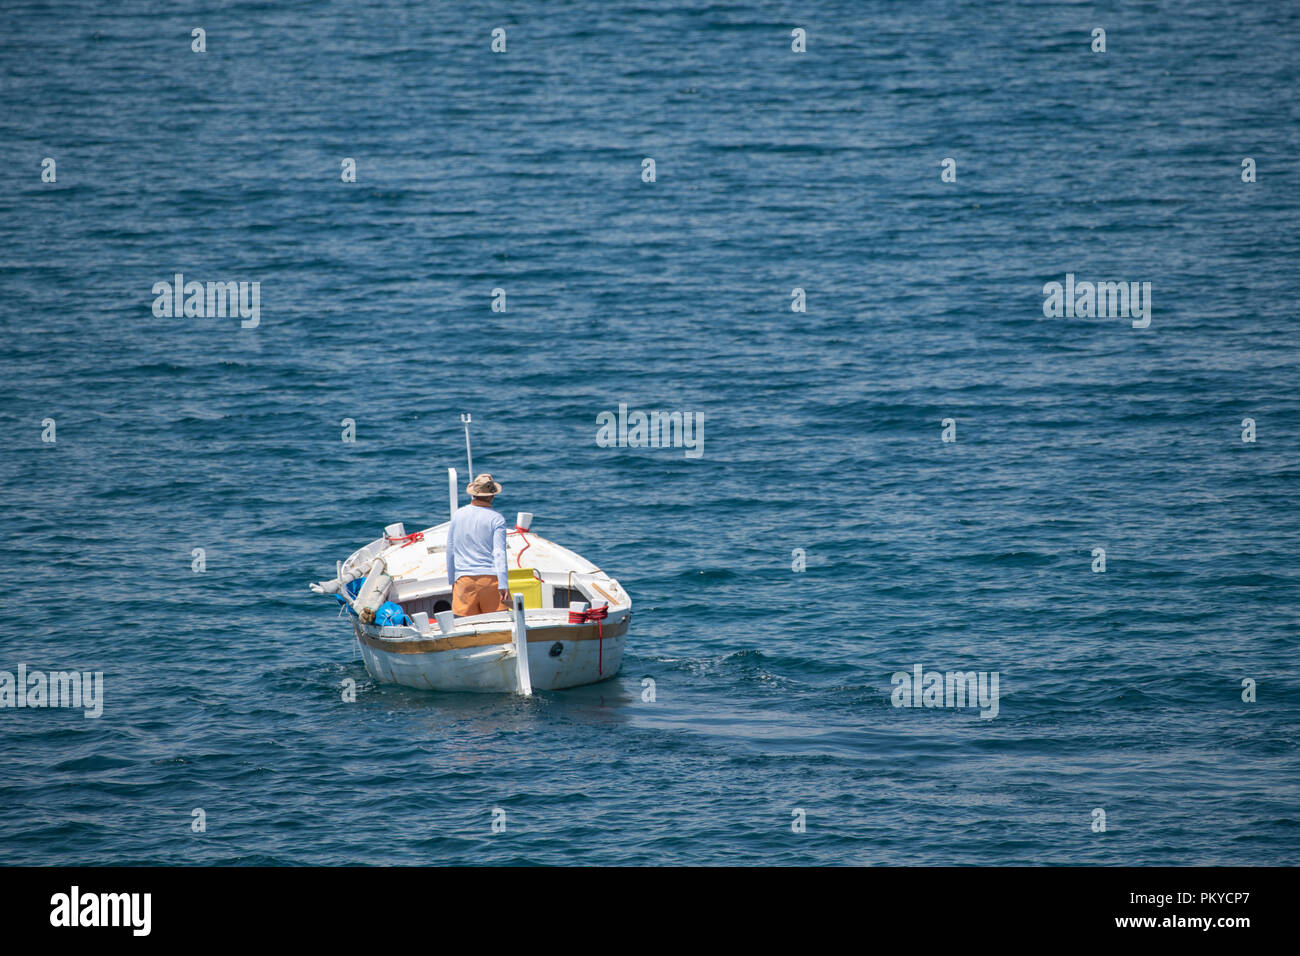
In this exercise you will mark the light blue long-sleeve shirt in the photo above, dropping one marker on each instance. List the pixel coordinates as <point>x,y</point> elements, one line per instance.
<point>476,544</point>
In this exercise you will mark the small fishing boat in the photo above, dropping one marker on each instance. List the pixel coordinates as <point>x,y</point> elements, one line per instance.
<point>566,628</point>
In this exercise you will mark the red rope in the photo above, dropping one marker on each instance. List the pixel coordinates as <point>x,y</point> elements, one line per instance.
<point>406,539</point>
<point>597,614</point>
<point>519,558</point>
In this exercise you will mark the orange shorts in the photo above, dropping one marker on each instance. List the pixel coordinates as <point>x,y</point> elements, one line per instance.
<point>476,594</point>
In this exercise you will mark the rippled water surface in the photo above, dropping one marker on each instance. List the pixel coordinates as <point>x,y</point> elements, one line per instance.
<point>1119,690</point>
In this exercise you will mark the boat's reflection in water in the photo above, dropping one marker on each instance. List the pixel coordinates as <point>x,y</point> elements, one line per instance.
<point>470,727</point>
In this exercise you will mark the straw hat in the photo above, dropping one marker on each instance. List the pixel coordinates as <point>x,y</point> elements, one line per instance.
<point>483,486</point>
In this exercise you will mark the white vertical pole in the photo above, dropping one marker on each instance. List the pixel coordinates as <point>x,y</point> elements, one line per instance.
<point>469,459</point>
<point>451,487</point>
<point>525,681</point>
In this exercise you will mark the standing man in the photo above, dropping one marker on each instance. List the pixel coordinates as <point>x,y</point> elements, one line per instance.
<point>476,553</point>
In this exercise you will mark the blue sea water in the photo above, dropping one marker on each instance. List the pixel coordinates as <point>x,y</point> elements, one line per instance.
<point>1120,691</point>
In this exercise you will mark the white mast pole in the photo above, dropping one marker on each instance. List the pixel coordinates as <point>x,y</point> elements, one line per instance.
<point>469,459</point>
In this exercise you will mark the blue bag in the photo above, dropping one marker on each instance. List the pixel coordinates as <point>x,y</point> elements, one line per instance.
<point>390,614</point>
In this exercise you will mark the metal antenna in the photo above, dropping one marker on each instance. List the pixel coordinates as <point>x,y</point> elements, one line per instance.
<point>469,459</point>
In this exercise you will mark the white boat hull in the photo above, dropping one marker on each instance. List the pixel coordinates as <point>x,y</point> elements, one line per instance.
<point>559,656</point>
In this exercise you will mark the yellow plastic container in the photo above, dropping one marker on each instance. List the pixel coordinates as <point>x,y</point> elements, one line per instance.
<point>525,581</point>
